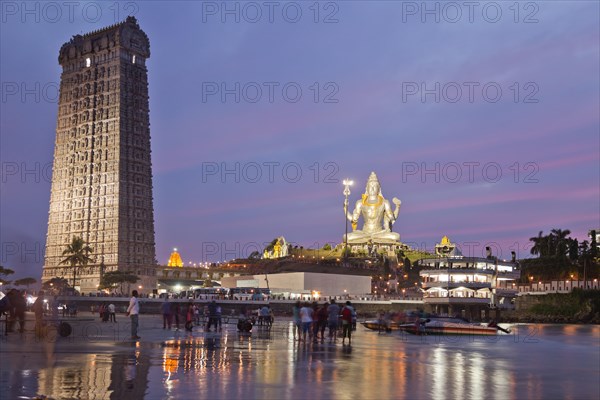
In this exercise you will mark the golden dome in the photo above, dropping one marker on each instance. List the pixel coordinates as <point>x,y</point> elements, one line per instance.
<point>175,259</point>
<point>445,241</point>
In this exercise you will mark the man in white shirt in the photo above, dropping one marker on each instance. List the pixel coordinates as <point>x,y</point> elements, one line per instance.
<point>111,313</point>
<point>133,311</point>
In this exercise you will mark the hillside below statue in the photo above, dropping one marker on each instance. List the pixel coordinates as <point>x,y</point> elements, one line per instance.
<point>378,218</point>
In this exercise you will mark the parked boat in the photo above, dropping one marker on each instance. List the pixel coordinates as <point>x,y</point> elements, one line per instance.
<point>450,326</point>
<point>434,326</point>
<point>391,321</point>
<point>381,325</point>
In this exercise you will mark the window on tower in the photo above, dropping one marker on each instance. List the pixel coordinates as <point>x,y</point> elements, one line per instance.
<point>88,62</point>
<point>133,59</point>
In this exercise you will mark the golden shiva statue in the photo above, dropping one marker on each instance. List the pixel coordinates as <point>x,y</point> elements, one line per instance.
<point>377,216</point>
<point>280,249</point>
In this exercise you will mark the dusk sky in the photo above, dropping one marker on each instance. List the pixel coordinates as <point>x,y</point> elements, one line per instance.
<point>485,122</point>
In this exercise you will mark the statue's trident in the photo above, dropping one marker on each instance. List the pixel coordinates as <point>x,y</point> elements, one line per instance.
<point>347,183</point>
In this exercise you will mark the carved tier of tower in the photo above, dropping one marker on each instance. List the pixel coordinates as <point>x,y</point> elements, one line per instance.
<point>102,172</point>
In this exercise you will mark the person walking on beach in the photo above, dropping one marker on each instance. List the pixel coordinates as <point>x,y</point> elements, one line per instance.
<point>133,311</point>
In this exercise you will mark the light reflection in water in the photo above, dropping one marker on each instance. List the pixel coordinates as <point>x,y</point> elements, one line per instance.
<point>459,377</point>
<point>561,364</point>
<point>477,379</point>
<point>439,388</point>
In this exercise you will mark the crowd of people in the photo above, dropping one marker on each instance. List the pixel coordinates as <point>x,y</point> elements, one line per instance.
<point>209,315</point>
<point>14,305</point>
<point>107,312</point>
<point>311,321</point>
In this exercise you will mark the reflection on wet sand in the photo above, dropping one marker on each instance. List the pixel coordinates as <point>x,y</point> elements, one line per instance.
<point>273,365</point>
<point>110,376</point>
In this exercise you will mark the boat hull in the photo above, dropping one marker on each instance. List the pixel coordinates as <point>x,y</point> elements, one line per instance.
<point>381,326</point>
<point>435,327</point>
<point>440,326</point>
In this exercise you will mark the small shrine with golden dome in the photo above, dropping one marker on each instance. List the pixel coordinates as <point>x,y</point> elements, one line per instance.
<point>446,248</point>
<point>175,259</point>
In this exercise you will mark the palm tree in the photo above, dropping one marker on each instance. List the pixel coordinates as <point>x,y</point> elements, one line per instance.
<point>3,272</point>
<point>559,241</point>
<point>25,282</point>
<point>113,278</point>
<point>77,255</point>
<point>539,246</point>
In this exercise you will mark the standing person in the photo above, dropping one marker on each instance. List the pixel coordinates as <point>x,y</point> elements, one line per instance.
<point>175,310</point>
<point>297,320</point>
<point>212,315</point>
<point>165,309</point>
<point>100,311</point>
<point>271,317</point>
<point>11,299</point>
<point>106,314</point>
<point>20,308</point>
<point>219,314</point>
<point>112,316</point>
<point>38,309</point>
<point>189,317</point>
<point>306,317</point>
<point>322,317</point>
<point>133,311</point>
<point>333,318</point>
<point>347,312</point>
<point>263,315</point>
<point>196,314</point>
<point>315,324</point>
<point>205,314</point>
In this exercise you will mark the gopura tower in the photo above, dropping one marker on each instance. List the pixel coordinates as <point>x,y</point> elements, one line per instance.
<point>102,173</point>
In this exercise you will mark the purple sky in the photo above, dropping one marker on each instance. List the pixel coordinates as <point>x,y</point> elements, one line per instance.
<point>542,134</point>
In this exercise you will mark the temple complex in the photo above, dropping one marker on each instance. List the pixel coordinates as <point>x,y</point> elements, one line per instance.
<point>102,173</point>
<point>175,259</point>
<point>446,248</point>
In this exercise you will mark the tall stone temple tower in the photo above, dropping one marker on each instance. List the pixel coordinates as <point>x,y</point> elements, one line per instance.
<point>102,173</point>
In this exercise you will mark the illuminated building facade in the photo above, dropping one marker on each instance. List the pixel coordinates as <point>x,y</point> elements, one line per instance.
<point>102,173</point>
<point>455,284</point>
